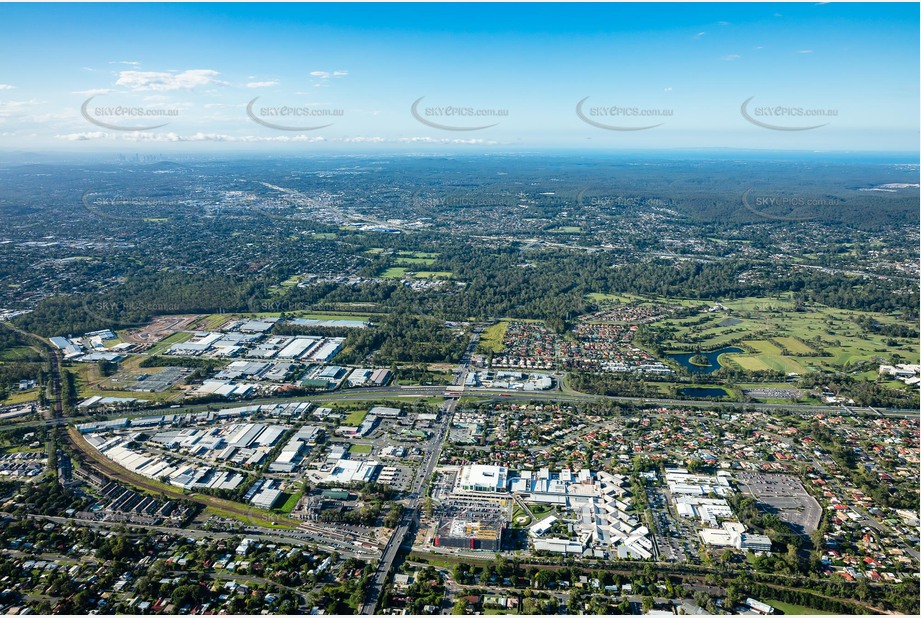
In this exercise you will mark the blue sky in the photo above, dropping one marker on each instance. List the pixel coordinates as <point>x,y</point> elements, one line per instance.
<point>358,68</point>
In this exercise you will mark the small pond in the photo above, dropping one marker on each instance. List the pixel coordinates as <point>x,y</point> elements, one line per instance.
<point>684,359</point>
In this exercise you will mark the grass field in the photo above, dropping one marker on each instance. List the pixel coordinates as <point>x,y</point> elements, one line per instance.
<point>266,521</point>
<point>291,500</point>
<point>20,353</point>
<point>598,297</point>
<point>749,363</point>
<point>394,272</point>
<point>790,608</point>
<point>566,229</point>
<point>21,397</point>
<point>400,272</point>
<point>520,519</point>
<point>411,261</point>
<point>611,298</point>
<point>764,347</point>
<point>434,274</point>
<point>540,511</point>
<point>21,449</point>
<point>795,346</point>
<point>90,383</point>
<point>757,323</point>
<point>336,316</point>
<point>447,562</point>
<point>360,449</point>
<point>213,321</point>
<point>354,418</point>
<point>767,357</point>
<point>180,337</point>
<point>417,254</point>
<point>491,338</point>
<point>430,378</point>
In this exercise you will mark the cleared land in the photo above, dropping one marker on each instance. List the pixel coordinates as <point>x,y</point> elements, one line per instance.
<point>434,274</point>
<point>354,418</point>
<point>417,254</point>
<point>21,397</point>
<point>491,338</point>
<point>214,321</point>
<point>20,353</point>
<point>791,609</point>
<point>404,261</point>
<point>394,272</point>
<point>180,337</point>
<point>91,383</point>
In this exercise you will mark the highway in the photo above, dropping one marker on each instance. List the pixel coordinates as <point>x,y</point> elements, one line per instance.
<point>384,392</point>
<point>409,523</point>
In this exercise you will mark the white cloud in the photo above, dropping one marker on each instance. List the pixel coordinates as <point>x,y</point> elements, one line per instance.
<point>92,92</point>
<point>261,84</point>
<point>171,137</point>
<point>804,51</point>
<point>328,74</point>
<point>133,63</point>
<point>83,137</point>
<point>10,108</point>
<point>152,137</point>
<point>731,57</point>
<point>65,115</point>
<point>722,23</point>
<point>162,80</point>
<point>443,140</point>
<point>699,34</point>
<point>7,87</point>
<point>219,137</point>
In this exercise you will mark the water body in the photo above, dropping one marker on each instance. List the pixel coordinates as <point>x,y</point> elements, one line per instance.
<point>685,359</point>
<point>703,393</point>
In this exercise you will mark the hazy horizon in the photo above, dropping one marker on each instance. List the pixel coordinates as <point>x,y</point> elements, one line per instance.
<point>477,77</point>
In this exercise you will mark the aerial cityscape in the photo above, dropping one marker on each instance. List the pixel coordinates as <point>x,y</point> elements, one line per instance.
<point>341,309</point>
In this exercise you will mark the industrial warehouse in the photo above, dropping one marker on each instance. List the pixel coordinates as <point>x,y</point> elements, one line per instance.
<point>258,346</point>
